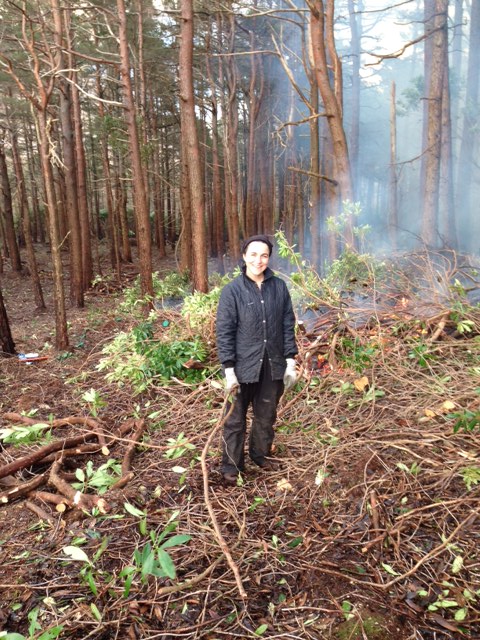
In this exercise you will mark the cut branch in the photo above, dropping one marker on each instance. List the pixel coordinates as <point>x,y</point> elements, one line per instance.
<point>314,175</point>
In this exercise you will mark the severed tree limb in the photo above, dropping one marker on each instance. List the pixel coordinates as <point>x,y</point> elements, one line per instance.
<point>313,175</point>
<point>440,327</point>
<point>43,452</point>
<point>23,489</point>
<point>127,475</point>
<point>46,496</point>
<point>83,449</point>
<point>41,513</point>
<point>218,534</point>
<point>75,498</point>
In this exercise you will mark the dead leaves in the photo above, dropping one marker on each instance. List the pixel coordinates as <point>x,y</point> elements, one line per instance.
<point>445,407</point>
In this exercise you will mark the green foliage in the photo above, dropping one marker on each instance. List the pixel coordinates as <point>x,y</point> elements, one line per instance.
<point>172,285</point>
<point>465,419</point>
<point>124,363</point>
<point>199,308</point>
<point>137,358</point>
<point>350,212</point>
<point>178,447</point>
<point>471,476</point>
<point>355,355</point>
<point>153,559</point>
<point>100,479</point>
<point>421,353</point>
<point>306,285</point>
<point>166,360</point>
<point>26,434</point>
<point>94,401</point>
<point>462,313</point>
<point>34,628</point>
<point>411,96</point>
<point>414,468</point>
<point>352,270</point>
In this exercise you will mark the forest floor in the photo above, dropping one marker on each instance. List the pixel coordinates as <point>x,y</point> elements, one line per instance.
<point>370,527</point>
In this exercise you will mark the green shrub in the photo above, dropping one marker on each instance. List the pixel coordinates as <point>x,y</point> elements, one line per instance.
<point>172,285</point>
<point>137,358</point>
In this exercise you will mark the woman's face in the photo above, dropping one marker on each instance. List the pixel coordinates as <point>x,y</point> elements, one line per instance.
<point>256,258</point>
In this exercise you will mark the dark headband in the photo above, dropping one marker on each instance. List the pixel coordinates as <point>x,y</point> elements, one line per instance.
<point>259,238</point>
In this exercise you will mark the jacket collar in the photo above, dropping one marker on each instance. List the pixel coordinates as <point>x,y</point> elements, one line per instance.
<point>267,274</point>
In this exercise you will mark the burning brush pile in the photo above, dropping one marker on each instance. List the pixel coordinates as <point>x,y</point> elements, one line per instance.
<point>369,528</point>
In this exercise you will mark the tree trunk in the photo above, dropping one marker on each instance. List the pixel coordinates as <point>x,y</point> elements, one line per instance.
<point>230,110</point>
<point>321,36</point>
<point>190,139</point>
<point>25,218</point>
<point>355,13</point>
<point>139,190</point>
<point>85,227</point>
<point>7,207</point>
<point>428,26</point>
<point>255,91</point>
<point>457,48</point>
<point>393,204</point>
<point>218,244</point>
<point>61,335</point>
<point>446,207</point>
<point>314,180</point>
<point>434,127</point>
<point>7,346</point>
<point>38,218</point>
<point>69,159</point>
<point>186,207</point>
<point>466,207</point>
<point>157,185</point>
<point>112,228</point>
<point>121,211</point>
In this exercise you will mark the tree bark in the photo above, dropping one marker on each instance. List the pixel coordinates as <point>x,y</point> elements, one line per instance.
<point>69,158</point>
<point>190,139</point>
<point>25,218</point>
<point>314,180</point>
<point>230,110</point>
<point>393,203</point>
<point>434,127</point>
<point>321,33</point>
<point>139,190</point>
<point>446,209</point>
<point>467,209</point>
<point>218,244</point>
<point>7,345</point>
<point>83,209</point>
<point>7,206</point>
<point>355,13</point>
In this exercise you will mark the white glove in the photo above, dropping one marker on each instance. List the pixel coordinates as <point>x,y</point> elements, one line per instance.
<point>231,381</point>
<point>290,375</point>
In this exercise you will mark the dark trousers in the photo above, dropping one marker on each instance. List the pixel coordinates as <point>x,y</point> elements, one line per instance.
<point>264,396</point>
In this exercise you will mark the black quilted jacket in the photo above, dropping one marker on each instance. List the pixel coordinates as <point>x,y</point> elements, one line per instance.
<point>255,323</point>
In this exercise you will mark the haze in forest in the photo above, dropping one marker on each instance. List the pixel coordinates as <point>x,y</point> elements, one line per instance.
<point>389,54</point>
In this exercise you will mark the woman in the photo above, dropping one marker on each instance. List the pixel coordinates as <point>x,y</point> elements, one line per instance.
<point>256,346</point>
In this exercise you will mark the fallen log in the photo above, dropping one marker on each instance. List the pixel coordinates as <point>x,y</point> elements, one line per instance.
<point>23,489</point>
<point>127,475</point>
<point>75,498</point>
<point>43,452</point>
